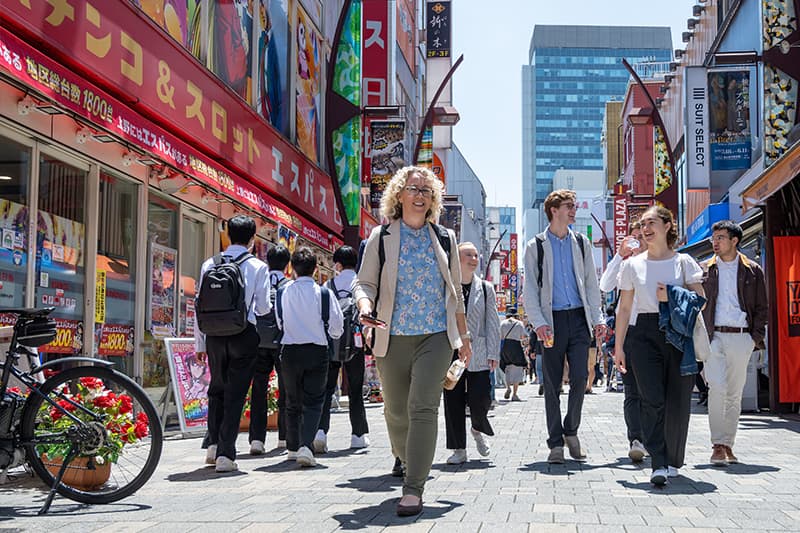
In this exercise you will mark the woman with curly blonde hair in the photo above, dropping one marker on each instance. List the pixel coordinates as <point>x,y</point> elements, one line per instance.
<point>409,292</point>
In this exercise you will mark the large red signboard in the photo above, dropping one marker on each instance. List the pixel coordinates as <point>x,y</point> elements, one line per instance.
<point>114,44</point>
<point>620,220</point>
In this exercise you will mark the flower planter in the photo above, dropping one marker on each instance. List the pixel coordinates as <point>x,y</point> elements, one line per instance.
<point>244,424</point>
<point>82,473</point>
<point>272,420</point>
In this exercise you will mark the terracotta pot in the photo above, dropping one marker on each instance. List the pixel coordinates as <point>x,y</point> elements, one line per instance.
<point>272,420</point>
<point>244,424</point>
<point>80,474</point>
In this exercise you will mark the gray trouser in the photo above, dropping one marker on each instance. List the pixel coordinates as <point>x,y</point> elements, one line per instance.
<point>412,374</point>
<point>572,341</point>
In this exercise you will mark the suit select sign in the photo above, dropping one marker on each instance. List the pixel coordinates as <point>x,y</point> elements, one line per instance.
<point>698,162</point>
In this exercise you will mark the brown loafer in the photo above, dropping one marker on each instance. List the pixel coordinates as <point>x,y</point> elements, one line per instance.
<point>409,510</point>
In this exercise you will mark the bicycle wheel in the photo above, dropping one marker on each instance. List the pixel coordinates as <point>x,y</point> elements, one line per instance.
<point>118,434</point>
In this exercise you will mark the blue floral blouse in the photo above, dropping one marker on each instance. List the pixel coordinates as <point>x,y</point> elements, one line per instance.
<point>419,302</point>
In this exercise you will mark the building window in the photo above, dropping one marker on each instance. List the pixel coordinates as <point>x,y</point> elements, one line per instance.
<point>15,167</point>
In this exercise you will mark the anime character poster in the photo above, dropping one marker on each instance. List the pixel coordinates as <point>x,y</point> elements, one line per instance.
<point>174,16</point>
<point>309,76</point>
<point>162,290</point>
<point>190,380</point>
<point>272,80</point>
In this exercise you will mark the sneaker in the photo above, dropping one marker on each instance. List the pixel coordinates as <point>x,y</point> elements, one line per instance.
<point>574,447</point>
<point>359,442</point>
<point>732,459</point>
<point>281,444</point>
<point>459,457</point>
<point>637,451</point>
<point>257,447</point>
<point>556,456</point>
<point>673,471</point>
<point>291,456</point>
<point>541,390</point>
<point>320,443</point>
<point>515,398</point>
<point>719,456</point>
<point>211,455</point>
<point>305,457</point>
<point>223,464</point>
<point>507,395</point>
<point>480,442</point>
<point>659,477</point>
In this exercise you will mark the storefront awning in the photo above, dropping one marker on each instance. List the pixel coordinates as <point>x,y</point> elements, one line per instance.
<point>701,227</point>
<point>772,179</point>
<point>751,229</point>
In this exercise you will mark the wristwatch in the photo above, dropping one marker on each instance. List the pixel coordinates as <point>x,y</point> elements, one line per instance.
<point>467,335</point>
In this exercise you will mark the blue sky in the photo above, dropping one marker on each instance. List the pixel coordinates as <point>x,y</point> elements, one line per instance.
<point>486,87</point>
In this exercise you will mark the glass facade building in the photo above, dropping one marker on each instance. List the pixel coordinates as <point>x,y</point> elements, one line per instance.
<point>572,72</point>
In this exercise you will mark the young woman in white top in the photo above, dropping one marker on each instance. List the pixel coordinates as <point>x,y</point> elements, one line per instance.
<point>665,394</point>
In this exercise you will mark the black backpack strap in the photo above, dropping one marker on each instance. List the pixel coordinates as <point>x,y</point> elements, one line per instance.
<point>444,239</point>
<point>579,237</point>
<point>381,261</point>
<point>242,258</point>
<point>279,306</point>
<point>326,308</point>
<point>539,259</point>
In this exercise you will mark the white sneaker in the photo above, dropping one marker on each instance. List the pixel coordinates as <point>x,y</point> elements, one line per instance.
<point>211,455</point>
<point>359,442</point>
<point>480,442</point>
<point>291,456</point>
<point>305,457</point>
<point>281,444</point>
<point>659,477</point>
<point>637,451</point>
<point>673,471</point>
<point>459,457</point>
<point>226,465</point>
<point>257,447</point>
<point>320,443</point>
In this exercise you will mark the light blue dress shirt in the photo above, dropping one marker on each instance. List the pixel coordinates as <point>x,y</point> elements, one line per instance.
<point>565,286</point>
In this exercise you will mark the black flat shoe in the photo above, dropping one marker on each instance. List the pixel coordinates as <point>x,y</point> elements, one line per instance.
<point>409,510</point>
<point>398,470</point>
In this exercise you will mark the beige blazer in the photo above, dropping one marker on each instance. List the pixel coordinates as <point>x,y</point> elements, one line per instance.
<point>366,284</point>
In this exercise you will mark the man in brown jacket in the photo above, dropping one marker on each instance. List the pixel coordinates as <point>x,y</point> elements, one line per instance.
<point>736,318</point>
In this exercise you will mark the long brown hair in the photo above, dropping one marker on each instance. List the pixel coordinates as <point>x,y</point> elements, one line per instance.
<point>666,216</point>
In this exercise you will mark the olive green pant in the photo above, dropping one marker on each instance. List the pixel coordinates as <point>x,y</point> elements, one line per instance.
<point>412,374</point>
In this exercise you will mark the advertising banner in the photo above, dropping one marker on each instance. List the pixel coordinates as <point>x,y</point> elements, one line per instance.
<point>271,87</point>
<point>387,156</point>
<point>309,88</point>
<point>438,27</point>
<point>406,29</point>
<point>513,272</point>
<point>451,218</point>
<point>174,17</point>
<point>190,380</point>
<point>100,297</point>
<point>115,340</point>
<point>79,96</point>
<point>787,285</point>
<point>698,162</point>
<point>69,338</point>
<point>729,120</point>
<point>375,66</point>
<point>368,223</point>
<point>161,312</point>
<point>664,186</point>
<point>107,42</point>
<point>620,221</point>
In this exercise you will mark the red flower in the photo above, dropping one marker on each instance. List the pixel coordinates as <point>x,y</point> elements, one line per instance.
<point>140,430</point>
<point>125,404</point>
<point>106,401</point>
<point>142,417</point>
<point>277,393</point>
<point>55,414</point>
<point>69,406</point>
<point>92,383</point>
<point>14,390</point>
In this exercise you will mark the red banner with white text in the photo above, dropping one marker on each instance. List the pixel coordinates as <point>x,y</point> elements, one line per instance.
<point>787,285</point>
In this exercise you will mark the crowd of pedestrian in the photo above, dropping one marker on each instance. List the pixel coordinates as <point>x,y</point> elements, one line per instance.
<point>411,299</point>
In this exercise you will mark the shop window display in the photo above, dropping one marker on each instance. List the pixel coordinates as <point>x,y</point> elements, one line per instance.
<point>15,163</point>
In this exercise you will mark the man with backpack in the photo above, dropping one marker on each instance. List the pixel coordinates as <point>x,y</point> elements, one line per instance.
<point>310,318</point>
<point>232,291</point>
<point>269,350</point>
<point>562,299</point>
<point>348,353</point>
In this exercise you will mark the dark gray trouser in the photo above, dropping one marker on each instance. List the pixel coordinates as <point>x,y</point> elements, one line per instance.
<point>471,390</point>
<point>412,374</point>
<point>267,360</point>
<point>305,371</point>
<point>666,396</point>
<point>633,404</point>
<point>354,375</point>
<point>572,340</point>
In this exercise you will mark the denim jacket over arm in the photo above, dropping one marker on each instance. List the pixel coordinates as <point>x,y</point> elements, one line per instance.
<point>676,318</point>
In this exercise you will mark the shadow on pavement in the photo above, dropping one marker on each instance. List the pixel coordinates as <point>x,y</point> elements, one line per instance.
<point>678,485</point>
<point>739,469</point>
<point>475,464</point>
<point>383,514</point>
<point>63,507</point>
<point>571,466</point>
<point>203,474</point>
<point>288,466</point>
<point>756,422</point>
<point>384,483</point>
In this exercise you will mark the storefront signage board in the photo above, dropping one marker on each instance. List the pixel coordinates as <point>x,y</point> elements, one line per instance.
<point>190,380</point>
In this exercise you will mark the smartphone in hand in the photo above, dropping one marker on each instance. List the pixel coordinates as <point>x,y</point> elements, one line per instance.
<point>372,322</point>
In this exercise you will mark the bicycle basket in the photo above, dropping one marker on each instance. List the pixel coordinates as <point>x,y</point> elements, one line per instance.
<point>36,331</point>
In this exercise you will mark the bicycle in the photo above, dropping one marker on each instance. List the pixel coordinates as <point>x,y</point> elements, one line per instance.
<point>80,417</point>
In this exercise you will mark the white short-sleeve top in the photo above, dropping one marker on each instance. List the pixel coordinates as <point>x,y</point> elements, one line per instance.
<point>643,275</point>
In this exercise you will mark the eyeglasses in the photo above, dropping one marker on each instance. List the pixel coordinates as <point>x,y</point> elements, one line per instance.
<point>569,205</point>
<point>413,190</point>
<point>718,238</point>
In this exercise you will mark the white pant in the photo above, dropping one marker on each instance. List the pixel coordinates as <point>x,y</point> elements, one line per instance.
<point>726,373</point>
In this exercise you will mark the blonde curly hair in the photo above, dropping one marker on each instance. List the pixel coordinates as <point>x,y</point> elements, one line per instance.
<point>392,209</point>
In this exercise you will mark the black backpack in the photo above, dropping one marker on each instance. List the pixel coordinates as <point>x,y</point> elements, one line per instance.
<point>267,326</point>
<point>220,307</point>
<point>540,255</point>
<point>347,346</point>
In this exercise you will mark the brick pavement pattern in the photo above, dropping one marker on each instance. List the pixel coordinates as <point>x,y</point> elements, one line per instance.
<point>513,490</point>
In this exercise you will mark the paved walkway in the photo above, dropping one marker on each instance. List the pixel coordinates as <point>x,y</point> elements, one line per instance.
<point>514,490</point>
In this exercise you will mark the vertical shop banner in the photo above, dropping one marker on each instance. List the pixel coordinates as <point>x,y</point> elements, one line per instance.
<point>437,22</point>
<point>100,298</point>
<point>162,291</point>
<point>375,67</point>
<point>425,156</point>
<point>664,186</point>
<point>229,44</point>
<point>190,380</point>
<point>620,221</point>
<point>407,31</point>
<point>309,79</point>
<point>698,161</point>
<point>387,156</point>
<point>729,119</point>
<point>787,285</point>
<point>271,87</point>
<point>347,138</point>
<point>451,218</point>
<point>513,276</point>
<point>438,168</point>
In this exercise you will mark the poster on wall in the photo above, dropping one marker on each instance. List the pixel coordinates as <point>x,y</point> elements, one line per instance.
<point>114,340</point>
<point>174,17</point>
<point>387,156</point>
<point>190,380</point>
<point>162,291</point>
<point>61,242</point>
<point>406,31</point>
<point>729,119</point>
<point>272,78</point>
<point>229,44</point>
<point>451,218</point>
<point>69,338</point>
<point>309,76</point>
